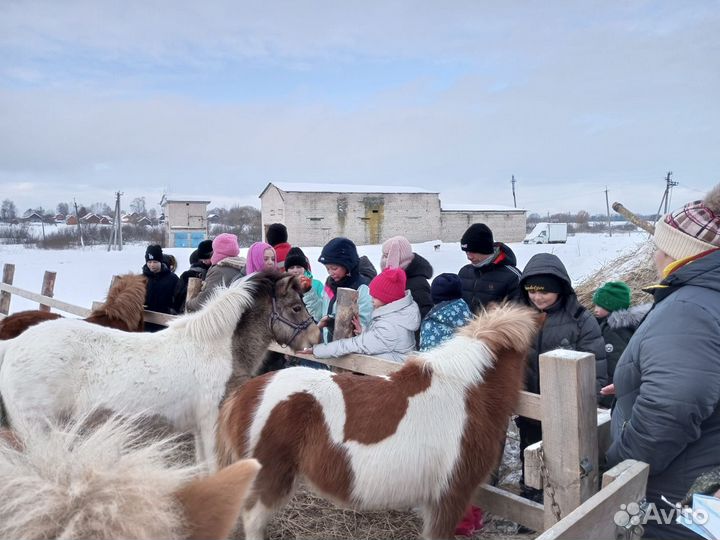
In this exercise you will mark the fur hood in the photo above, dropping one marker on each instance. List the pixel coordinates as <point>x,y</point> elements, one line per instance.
<point>234,262</point>
<point>628,318</point>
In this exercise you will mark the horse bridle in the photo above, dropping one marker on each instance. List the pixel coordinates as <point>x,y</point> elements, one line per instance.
<point>297,327</point>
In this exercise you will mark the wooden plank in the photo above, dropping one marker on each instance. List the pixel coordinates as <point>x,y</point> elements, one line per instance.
<point>158,318</point>
<point>193,288</point>
<point>39,298</point>
<point>569,427</point>
<point>593,520</point>
<point>346,309</point>
<point>360,363</point>
<point>510,506</point>
<point>7,278</point>
<point>529,405</point>
<point>603,433</point>
<point>533,474</point>
<point>48,288</point>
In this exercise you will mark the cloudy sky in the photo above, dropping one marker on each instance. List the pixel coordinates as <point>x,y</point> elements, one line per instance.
<point>215,99</point>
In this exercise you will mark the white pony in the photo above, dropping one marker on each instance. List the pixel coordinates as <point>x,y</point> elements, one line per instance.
<point>64,368</point>
<point>108,481</point>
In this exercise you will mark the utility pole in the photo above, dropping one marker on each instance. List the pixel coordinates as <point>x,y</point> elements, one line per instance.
<point>77,218</point>
<point>116,236</point>
<point>607,204</point>
<point>513,190</point>
<point>669,184</point>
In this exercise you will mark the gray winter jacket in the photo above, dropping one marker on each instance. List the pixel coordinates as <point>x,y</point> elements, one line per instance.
<point>390,334</point>
<point>617,329</point>
<point>221,274</point>
<point>568,324</point>
<point>667,386</point>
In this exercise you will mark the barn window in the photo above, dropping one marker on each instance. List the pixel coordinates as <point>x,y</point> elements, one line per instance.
<point>364,219</point>
<point>375,211</point>
<point>315,218</point>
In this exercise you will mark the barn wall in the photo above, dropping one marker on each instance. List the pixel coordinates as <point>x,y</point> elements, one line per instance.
<point>366,218</point>
<point>506,226</point>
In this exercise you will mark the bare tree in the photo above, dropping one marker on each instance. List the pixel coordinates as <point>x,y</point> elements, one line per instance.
<point>8,211</point>
<point>138,206</point>
<point>63,208</point>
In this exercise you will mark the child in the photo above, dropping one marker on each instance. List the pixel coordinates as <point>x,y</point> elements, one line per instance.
<point>342,262</point>
<point>395,318</point>
<point>297,264</point>
<point>449,313</point>
<point>260,256</point>
<point>618,321</point>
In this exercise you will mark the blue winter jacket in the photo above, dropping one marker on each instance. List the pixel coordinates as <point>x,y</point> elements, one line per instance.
<point>442,321</point>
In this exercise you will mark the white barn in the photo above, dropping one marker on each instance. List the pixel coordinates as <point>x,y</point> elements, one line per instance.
<point>367,214</point>
<point>186,222</point>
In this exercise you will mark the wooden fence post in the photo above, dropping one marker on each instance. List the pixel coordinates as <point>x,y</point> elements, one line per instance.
<point>193,288</point>
<point>48,287</point>
<point>8,275</point>
<point>569,429</point>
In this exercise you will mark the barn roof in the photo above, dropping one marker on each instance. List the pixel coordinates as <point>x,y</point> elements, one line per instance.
<point>292,187</point>
<point>448,207</point>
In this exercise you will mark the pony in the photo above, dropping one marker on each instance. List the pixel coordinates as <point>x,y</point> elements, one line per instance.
<point>425,436</point>
<point>123,309</point>
<point>110,481</point>
<point>65,367</point>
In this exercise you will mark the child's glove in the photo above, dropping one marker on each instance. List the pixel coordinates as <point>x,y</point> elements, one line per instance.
<point>305,283</point>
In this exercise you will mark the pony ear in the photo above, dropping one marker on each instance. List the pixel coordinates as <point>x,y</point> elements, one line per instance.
<point>285,283</point>
<point>212,505</point>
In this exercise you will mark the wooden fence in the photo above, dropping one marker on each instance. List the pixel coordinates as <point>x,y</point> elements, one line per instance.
<point>575,432</point>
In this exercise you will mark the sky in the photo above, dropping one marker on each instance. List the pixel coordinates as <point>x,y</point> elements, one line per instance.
<point>216,99</point>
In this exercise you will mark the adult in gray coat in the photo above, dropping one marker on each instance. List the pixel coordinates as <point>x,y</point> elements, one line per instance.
<point>545,285</point>
<point>667,382</point>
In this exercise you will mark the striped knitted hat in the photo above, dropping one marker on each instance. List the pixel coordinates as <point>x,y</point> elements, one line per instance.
<point>692,229</point>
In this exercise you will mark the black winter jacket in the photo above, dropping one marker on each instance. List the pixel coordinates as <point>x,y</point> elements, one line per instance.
<point>160,293</point>
<point>418,272</point>
<point>568,324</point>
<point>667,387</point>
<point>617,329</point>
<point>492,282</point>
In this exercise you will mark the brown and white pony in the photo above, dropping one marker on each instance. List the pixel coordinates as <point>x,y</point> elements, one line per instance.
<point>64,368</point>
<point>109,481</point>
<point>425,436</point>
<point>123,309</point>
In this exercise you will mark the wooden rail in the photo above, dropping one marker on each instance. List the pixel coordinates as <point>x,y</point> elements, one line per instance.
<point>566,409</point>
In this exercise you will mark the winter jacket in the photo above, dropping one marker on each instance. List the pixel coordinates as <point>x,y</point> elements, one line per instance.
<point>160,294</point>
<point>366,268</point>
<point>221,274</point>
<point>617,329</point>
<point>491,282</point>
<point>390,334</point>
<point>418,272</point>
<point>442,322</point>
<point>197,270</point>
<point>312,298</point>
<point>281,251</point>
<point>568,325</point>
<point>667,385</point>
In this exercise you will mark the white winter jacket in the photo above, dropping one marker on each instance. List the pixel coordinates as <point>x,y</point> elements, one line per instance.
<point>390,334</point>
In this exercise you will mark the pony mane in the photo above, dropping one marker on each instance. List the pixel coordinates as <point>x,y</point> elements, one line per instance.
<point>220,314</point>
<point>464,359</point>
<point>125,301</point>
<point>104,481</point>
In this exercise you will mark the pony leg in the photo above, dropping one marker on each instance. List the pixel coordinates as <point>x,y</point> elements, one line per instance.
<point>273,488</point>
<point>255,519</point>
<point>441,517</point>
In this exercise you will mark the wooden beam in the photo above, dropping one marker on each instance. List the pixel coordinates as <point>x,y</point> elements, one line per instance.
<point>39,298</point>
<point>508,505</point>
<point>7,278</point>
<point>529,405</point>
<point>360,363</point>
<point>569,429</point>
<point>593,520</point>
<point>346,308</point>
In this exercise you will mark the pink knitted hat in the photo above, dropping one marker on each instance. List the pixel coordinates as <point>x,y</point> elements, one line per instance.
<point>389,285</point>
<point>256,257</point>
<point>225,245</point>
<point>692,229</point>
<point>399,253</point>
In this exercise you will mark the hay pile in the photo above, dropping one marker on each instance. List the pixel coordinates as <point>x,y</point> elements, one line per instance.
<point>637,269</point>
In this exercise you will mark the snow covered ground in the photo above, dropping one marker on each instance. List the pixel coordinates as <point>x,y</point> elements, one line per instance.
<point>83,275</point>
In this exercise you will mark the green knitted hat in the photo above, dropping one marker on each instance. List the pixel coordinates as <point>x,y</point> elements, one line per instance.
<point>612,296</point>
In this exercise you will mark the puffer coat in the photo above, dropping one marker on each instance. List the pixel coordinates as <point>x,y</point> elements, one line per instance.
<point>667,386</point>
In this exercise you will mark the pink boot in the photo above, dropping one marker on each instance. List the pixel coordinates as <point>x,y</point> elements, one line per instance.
<point>466,527</point>
<point>478,515</point>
